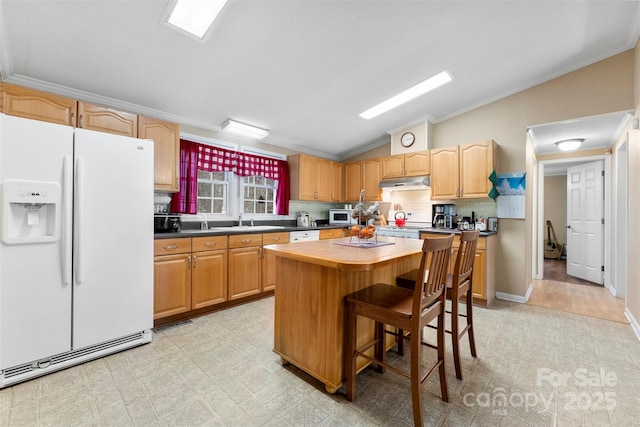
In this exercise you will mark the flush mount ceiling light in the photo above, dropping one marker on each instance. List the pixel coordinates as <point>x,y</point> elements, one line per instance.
<point>570,144</point>
<point>413,92</point>
<point>195,16</point>
<point>244,129</point>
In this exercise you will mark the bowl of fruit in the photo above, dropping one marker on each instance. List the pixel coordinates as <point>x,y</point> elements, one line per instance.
<point>363,231</point>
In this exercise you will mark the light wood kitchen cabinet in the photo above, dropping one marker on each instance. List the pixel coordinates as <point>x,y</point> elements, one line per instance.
<point>33,104</point>
<point>363,175</point>
<point>269,260</point>
<point>410,164</point>
<point>104,119</point>
<point>171,277</point>
<point>462,172</point>
<point>314,178</point>
<point>208,271</point>
<point>336,182</point>
<point>166,138</point>
<point>483,286</point>
<point>245,271</point>
<point>352,180</point>
<point>371,176</point>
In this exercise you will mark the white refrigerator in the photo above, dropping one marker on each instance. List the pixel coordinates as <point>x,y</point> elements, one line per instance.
<point>76,246</point>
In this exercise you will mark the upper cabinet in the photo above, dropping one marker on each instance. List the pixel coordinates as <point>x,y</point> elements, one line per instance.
<point>104,119</point>
<point>166,138</point>
<point>316,179</point>
<point>363,175</point>
<point>462,172</point>
<point>32,104</point>
<point>410,164</point>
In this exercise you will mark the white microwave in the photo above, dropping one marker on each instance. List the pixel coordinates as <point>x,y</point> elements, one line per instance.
<point>341,217</point>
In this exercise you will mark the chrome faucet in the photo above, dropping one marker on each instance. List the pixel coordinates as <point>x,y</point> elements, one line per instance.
<point>240,220</point>
<point>204,225</point>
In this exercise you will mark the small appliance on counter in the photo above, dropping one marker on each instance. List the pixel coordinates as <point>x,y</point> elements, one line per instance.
<point>492,224</point>
<point>304,220</point>
<point>167,222</point>
<point>443,215</point>
<point>341,217</point>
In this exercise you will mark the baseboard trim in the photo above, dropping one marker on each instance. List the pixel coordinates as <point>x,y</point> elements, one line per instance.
<point>611,289</point>
<point>633,322</point>
<point>515,298</point>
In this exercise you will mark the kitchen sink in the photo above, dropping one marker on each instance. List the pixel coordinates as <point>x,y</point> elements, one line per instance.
<point>247,227</point>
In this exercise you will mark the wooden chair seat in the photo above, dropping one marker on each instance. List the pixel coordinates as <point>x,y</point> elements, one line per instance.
<point>458,284</point>
<point>406,309</point>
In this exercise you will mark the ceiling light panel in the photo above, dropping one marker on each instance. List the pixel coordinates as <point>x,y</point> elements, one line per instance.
<point>195,16</point>
<point>244,130</point>
<point>413,92</point>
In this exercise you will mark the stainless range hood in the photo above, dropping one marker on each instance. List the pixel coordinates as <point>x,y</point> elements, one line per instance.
<point>408,183</point>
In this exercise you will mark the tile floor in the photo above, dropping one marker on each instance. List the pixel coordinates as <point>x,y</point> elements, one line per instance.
<point>550,367</point>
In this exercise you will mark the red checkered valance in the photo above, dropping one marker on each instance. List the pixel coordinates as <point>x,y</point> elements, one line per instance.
<point>195,157</point>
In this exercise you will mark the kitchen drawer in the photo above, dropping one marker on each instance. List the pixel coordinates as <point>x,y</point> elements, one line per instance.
<point>333,233</point>
<point>245,240</point>
<point>171,246</point>
<point>270,238</point>
<point>482,242</point>
<point>208,243</point>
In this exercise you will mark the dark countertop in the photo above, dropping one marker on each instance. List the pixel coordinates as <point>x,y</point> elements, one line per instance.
<point>433,230</point>
<point>196,232</point>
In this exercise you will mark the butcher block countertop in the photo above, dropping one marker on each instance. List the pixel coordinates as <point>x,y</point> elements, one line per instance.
<point>328,253</point>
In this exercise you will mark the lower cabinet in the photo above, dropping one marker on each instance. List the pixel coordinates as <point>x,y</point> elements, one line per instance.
<point>483,286</point>
<point>199,272</point>
<point>245,272</point>
<point>208,271</point>
<point>269,260</point>
<point>172,277</point>
<point>189,273</point>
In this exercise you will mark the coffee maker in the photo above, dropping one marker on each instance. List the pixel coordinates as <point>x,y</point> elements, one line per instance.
<point>443,215</point>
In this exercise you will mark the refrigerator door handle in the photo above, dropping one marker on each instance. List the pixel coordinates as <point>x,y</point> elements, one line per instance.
<point>66,220</point>
<point>79,219</point>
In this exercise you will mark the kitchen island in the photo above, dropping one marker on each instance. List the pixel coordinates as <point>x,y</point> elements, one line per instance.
<point>312,279</point>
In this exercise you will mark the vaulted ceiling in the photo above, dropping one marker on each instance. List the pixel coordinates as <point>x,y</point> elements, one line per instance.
<point>306,69</point>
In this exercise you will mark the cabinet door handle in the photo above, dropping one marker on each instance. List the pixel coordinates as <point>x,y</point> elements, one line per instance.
<point>275,239</point>
<point>245,241</point>
<point>81,121</point>
<point>189,262</point>
<point>210,243</point>
<point>73,119</point>
<point>195,261</point>
<point>170,247</point>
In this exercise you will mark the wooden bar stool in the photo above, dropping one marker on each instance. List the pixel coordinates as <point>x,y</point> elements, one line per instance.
<point>410,310</point>
<point>459,284</point>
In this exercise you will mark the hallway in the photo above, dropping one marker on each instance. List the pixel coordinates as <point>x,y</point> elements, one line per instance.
<point>593,301</point>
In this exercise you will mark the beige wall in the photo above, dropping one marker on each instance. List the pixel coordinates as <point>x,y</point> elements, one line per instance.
<point>633,253</point>
<point>555,205</point>
<point>419,131</point>
<point>603,87</point>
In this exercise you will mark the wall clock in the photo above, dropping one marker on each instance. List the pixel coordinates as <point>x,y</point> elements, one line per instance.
<point>407,139</point>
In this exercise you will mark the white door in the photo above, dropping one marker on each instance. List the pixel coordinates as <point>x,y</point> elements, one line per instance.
<point>585,217</point>
<point>35,302</point>
<point>113,242</point>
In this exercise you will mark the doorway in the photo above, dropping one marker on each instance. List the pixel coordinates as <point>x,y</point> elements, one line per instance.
<point>552,205</point>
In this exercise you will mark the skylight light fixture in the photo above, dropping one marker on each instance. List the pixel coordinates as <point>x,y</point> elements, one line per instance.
<point>244,129</point>
<point>570,144</point>
<point>413,92</point>
<point>195,16</point>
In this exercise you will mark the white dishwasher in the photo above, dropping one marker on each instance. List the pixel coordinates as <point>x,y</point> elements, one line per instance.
<point>304,236</point>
